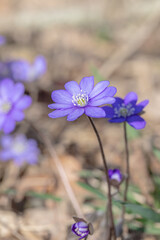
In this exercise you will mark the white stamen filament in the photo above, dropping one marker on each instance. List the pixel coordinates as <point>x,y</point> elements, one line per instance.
<point>81,99</point>
<point>124,110</point>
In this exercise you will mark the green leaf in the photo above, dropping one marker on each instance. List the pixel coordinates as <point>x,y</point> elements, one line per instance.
<point>43,196</point>
<point>86,173</point>
<point>156,152</point>
<point>95,72</point>
<point>144,212</point>
<point>132,133</point>
<point>152,230</point>
<point>93,190</point>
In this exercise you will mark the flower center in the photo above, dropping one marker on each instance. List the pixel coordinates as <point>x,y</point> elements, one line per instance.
<point>124,110</point>
<point>5,107</point>
<point>81,99</point>
<point>19,147</point>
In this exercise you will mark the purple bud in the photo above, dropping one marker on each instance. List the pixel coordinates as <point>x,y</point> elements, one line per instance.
<point>115,176</point>
<point>82,229</point>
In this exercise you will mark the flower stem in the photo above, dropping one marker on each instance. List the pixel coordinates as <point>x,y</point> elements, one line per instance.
<point>127,169</point>
<point>112,227</point>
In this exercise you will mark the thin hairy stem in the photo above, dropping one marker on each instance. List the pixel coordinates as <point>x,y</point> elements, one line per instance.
<point>107,178</point>
<point>127,169</point>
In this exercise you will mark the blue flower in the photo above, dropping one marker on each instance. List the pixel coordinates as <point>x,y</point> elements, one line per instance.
<point>12,103</point>
<point>19,149</point>
<point>127,110</point>
<point>82,98</point>
<point>21,70</point>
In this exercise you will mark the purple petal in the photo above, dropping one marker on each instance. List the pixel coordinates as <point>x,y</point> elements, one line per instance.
<point>98,102</point>
<point>6,88</point>
<point>108,92</point>
<point>18,91</point>
<point>2,120</point>
<point>117,120</point>
<point>87,84</point>
<point>118,101</point>
<point>82,225</point>
<point>100,87</point>
<point>5,155</point>
<point>6,141</point>
<point>74,226</point>
<point>24,102</point>
<point>61,96</point>
<point>59,106</point>
<point>19,70</point>
<point>110,171</point>
<point>140,106</point>
<point>136,121</point>
<point>95,112</point>
<point>109,111</point>
<point>115,175</point>
<point>9,125</point>
<point>60,113</point>
<point>17,115</point>
<point>131,97</point>
<point>75,114</point>
<point>40,65</point>
<point>72,87</point>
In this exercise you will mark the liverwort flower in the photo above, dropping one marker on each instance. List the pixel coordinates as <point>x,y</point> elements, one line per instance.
<point>12,103</point>
<point>23,71</point>
<point>19,149</point>
<point>115,177</point>
<point>127,110</point>
<point>82,98</point>
<point>81,228</point>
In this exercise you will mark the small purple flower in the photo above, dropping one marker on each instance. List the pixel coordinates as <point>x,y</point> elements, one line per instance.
<point>115,176</point>
<point>23,71</point>
<point>2,40</point>
<point>12,103</point>
<point>19,149</point>
<point>81,228</point>
<point>18,70</point>
<point>127,110</point>
<point>82,98</point>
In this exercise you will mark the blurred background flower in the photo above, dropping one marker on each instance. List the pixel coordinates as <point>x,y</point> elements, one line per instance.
<point>12,103</point>
<point>19,149</point>
<point>22,70</point>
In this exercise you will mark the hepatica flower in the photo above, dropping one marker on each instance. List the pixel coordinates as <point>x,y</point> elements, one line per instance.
<point>83,98</point>
<point>21,70</point>
<point>12,103</point>
<point>19,149</point>
<point>81,228</point>
<point>127,110</point>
